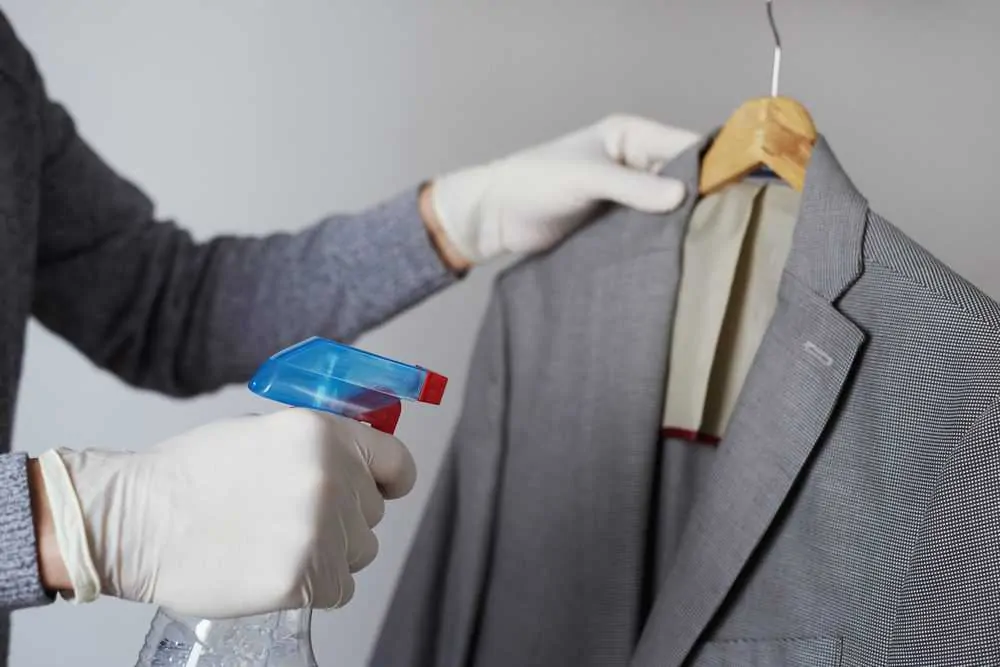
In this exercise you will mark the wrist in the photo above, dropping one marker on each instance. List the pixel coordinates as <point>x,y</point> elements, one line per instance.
<point>449,254</point>
<point>51,567</point>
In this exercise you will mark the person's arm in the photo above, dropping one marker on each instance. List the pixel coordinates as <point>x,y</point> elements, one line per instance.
<point>140,297</point>
<point>31,567</point>
<point>51,567</point>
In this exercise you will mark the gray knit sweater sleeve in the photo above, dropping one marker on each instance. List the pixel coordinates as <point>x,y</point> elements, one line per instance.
<point>140,297</point>
<point>20,585</point>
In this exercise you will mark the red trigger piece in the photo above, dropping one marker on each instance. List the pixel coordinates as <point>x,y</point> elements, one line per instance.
<point>384,419</point>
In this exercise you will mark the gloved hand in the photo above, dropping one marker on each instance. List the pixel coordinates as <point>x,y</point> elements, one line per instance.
<point>235,518</point>
<point>531,200</point>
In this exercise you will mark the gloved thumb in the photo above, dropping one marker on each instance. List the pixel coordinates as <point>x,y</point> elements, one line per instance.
<point>635,189</point>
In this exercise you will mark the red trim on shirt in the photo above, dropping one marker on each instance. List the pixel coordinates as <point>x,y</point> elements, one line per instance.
<point>690,436</point>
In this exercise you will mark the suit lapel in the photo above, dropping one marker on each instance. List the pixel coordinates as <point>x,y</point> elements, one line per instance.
<point>798,375</point>
<point>797,378</point>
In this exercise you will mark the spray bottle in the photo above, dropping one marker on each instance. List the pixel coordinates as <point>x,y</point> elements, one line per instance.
<point>322,375</point>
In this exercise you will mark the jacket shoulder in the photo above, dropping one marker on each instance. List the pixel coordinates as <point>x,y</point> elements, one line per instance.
<point>895,253</point>
<point>609,238</point>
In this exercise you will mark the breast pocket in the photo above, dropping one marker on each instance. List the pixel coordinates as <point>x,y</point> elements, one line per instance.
<point>794,652</point>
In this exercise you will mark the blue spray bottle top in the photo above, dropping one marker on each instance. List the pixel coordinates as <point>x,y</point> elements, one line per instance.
<point>325,375</point>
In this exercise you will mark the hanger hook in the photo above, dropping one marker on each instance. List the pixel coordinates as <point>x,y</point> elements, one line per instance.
<point>776,67</point>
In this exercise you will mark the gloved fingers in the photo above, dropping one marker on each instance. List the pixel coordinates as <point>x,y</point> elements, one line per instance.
<point>630,188</point>
<point>346,587</point>
<point>643,144</point>
<point>333,583</point>
<point>369,500</point>
<point>338,592</point>
<point>362,543</point>
<point>389,461</point>
<point>365,495</point>
<point>367,551</point>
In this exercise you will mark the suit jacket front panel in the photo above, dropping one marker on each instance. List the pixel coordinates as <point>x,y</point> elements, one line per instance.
<point>861,441</point>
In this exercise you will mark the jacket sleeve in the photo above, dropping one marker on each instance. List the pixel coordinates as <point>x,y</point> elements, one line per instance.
<point>20,583</point>
<point>949,608</point>
<point>441,581</point>
<point>141,298</point>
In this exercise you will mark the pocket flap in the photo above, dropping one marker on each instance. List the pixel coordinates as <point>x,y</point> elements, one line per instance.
<point>793,652</point>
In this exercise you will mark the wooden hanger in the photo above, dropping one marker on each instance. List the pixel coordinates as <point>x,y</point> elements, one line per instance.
<point>776,132</point>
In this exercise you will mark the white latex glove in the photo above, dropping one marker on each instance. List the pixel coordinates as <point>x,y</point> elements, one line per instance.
<point>235,518</point>
<point>531,200</point>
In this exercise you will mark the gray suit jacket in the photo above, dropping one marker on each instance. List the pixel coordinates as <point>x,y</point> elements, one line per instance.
<point>850,516</point>
<point>82,250</point>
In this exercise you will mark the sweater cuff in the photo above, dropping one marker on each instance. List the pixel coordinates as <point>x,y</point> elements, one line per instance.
<point>20,580</point>
<point>406,249</point>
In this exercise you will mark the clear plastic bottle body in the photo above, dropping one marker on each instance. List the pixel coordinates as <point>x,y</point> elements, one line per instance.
<point>280,639</point>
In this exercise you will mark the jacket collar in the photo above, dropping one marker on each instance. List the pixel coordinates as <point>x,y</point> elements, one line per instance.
<point>827,247</point>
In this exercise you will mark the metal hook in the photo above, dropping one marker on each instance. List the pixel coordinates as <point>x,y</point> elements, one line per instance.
<point>776,67</point>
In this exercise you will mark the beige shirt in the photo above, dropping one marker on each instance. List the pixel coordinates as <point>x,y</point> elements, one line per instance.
<point>735,250</point>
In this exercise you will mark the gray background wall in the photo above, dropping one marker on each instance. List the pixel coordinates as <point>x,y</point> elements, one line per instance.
<point>253,116</point>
